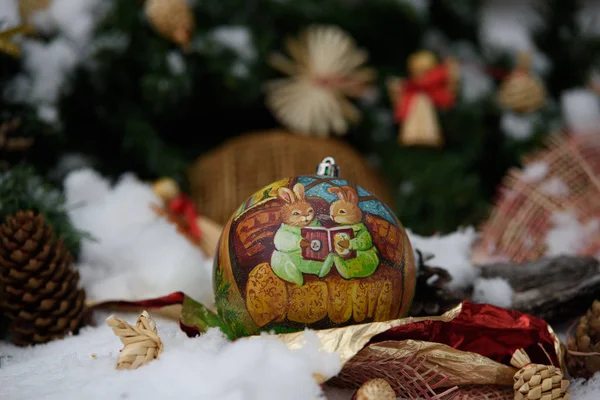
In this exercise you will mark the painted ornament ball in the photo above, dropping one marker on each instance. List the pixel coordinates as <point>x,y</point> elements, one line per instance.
<point>312,251</point>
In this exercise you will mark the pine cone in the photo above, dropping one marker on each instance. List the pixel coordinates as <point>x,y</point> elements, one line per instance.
<point>432,297</point>
<point>38,286</point>
<point>586,340</point>
<point>537,381</point>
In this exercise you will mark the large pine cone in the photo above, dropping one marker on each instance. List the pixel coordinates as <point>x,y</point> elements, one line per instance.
<point>586,340</point>
<point>38,286</point>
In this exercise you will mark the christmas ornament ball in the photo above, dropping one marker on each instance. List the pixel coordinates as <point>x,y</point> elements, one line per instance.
<point>312,251</point>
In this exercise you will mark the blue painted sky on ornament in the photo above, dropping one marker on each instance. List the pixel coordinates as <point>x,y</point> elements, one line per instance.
<point>375,207</point>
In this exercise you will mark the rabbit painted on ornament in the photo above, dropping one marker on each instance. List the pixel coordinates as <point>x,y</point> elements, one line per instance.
<point>345,211</point>
<point>287,261</point>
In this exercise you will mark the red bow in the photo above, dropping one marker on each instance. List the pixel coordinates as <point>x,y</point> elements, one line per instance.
<point>436,83</point>
<point>184,206</point>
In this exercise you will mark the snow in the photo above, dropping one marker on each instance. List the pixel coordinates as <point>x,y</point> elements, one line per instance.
<point>420,6</point>
<point>535,171</point>
<point>452,252</point>
<point>507,24</point>
<point>147,244</point>
<point>582,390</point>
<point>581,110</point>
<point>496,291</point>
<point>176,63</point>
<point>237,39</point>
<point>47,65</point>
<point>568,235</point>
<point>555,187</point>
<point>207,367</point>
<point>406,188</point>
<point>475,84</point>
<point>9,14</point>
<point>589,16</point>
<point>518,127</point>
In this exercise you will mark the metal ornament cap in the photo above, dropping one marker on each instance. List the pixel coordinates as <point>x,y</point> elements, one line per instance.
<point>328,167</point>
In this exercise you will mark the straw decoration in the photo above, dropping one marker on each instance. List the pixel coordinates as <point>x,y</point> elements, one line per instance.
<point>142,343</point>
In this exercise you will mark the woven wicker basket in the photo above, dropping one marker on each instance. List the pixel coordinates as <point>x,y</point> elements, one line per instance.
<point>522,217</point>
<point>223,179</point>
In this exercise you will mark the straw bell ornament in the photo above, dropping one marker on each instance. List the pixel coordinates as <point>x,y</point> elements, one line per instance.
<point>431,86</point>
<point>172,19</point>
<point>522,92</point>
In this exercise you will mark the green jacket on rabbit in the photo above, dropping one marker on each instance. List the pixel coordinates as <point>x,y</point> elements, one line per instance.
<point>287,261</point>
<point>366,261</point>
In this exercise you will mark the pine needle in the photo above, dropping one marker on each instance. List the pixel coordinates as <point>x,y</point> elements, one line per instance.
<point>22,189</point>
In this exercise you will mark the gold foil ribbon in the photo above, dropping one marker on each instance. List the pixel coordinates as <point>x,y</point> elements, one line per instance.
<point>461,367</point>
<point>349,340</point>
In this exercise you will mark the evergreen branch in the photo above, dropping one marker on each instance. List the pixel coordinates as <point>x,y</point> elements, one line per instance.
<point>22,189</point>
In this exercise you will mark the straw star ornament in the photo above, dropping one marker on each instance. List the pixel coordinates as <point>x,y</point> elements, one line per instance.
<point>325,69</point>
<point>142,343</point>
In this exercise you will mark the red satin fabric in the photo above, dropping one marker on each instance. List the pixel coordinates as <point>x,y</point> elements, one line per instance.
<point>435,83</point>
<point>158,302</point>
<point>184,206</point>
<point>484,329</point>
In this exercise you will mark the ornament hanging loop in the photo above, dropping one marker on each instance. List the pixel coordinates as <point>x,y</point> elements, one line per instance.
<point>328,167</point>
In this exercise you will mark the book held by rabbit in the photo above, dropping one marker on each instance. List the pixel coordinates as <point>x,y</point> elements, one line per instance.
<point>324,241</point>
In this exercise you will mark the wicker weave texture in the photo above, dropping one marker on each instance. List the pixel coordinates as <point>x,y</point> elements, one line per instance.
<point>483,392</point>
<point>410,377</point>
<point>223,179</point>
<point>522,217</point>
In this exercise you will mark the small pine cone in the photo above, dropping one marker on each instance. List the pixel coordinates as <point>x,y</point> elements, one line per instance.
<point>375,389</point>
<point>432,296</point>
<point>38,286</point>
<point>586,340</point>
<point>537,381</point>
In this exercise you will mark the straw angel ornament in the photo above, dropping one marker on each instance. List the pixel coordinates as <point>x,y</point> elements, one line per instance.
<point>324,70</point>
<point>431,86</point>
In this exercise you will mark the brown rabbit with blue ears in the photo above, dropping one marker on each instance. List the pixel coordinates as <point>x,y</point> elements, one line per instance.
<point>345,211</point>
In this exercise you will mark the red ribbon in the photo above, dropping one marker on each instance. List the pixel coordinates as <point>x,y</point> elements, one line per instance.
<point>484,329</point>
<point>435,83</point>
<point>184,206</point>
